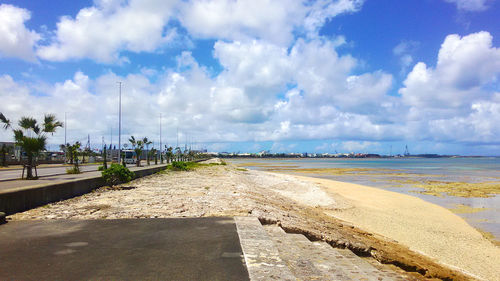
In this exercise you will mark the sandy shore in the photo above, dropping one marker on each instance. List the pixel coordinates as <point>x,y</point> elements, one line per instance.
<point>392,227</point>
<point>423,227</point>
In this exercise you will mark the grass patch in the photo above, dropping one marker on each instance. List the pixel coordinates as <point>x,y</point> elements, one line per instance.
<point>188,166</point>
<point>241,169</point>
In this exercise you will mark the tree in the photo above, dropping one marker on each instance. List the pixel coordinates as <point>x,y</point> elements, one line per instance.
<point>31,137</point>
<point>170,154</point>
<point>154,154</point>
<point>138,146</point>
<point>73,151</point>
<point>147,143</point>
<point>5,150</point>
<point>64,148</point>
<point>178,153</point>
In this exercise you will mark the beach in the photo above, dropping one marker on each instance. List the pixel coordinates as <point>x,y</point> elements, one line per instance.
<point>392,228</point>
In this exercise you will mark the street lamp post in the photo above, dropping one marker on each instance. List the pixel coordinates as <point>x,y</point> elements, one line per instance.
<point>161,149</point>
<point>120,125</point>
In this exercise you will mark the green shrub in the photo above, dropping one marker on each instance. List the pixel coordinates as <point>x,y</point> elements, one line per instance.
<point>100,168</point>
<point>73,170</point>
<point>179,166</point>
<point>117,174</point>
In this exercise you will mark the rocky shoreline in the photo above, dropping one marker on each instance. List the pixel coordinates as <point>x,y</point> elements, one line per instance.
<point>298,206</point>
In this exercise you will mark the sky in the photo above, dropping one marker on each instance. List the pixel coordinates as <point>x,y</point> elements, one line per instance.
<point>321,76</point>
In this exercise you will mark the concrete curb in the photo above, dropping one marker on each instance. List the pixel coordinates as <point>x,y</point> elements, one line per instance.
<point>21,199</point>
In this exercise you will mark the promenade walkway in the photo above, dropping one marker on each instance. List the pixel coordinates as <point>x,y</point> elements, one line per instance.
<point>20,195</point>
<point>88,171</point>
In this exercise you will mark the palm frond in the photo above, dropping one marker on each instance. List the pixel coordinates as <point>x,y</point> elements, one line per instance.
<point>27,123</point>
<point>49,118</point>
<point>33,145</point>
<point>50,124</point>
<point>36,129</point>
<point>132,140</point>
<point>18,135</point>
<point>5,121</point>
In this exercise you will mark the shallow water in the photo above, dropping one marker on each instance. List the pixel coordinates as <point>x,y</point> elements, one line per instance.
<point>389,172</point>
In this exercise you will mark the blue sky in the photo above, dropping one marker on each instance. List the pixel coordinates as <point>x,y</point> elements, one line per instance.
<point>285,76</point>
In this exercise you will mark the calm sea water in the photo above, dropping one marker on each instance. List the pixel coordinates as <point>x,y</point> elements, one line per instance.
<point>416,169</point>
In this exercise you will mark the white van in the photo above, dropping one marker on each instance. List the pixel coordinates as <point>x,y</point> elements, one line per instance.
<point>129,156</point>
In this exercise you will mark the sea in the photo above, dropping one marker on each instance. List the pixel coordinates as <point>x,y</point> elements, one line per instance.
<point>402,175</point>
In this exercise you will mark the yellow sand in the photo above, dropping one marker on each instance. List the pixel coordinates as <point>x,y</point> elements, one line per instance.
<point>423,227</point>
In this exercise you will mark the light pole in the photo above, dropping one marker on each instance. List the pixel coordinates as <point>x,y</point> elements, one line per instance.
<point>65,143</point>
<point>161,155</point>
<point>120,125</point>
<point>65,127</point>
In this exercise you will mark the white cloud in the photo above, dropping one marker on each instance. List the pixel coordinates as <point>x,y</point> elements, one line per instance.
<point>271,20</point>
<point>359,147</point>
<point>244,102</point>
<point>454,98</point>
<point>102,31</point>
<point>404,51</point>
<point>274,21</point>
<point>470,5</point>
<point>109,27</point>
<point>323,10</point>
<point>15,39</point>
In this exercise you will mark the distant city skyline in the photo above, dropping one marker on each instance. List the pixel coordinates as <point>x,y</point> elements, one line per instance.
<point>277,75</point>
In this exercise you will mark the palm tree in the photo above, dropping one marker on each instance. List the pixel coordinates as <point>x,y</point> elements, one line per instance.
<point>147,143</point>
<point>170,154</point>
<point>154,154</point>
<point>31,137</point>
<point>73,151</point>
<point>138,146</point>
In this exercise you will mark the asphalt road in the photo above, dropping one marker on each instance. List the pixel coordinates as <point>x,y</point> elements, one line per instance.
<point>45,171</point>
<point>127,249</point>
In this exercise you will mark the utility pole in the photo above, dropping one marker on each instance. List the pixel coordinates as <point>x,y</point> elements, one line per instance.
<point>120,125</point>
<point>177,137</point>
<point>65,143</point>
<point>65,127</point>
<point>161,149</point>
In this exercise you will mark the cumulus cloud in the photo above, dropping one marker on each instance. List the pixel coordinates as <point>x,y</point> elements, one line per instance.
<point>470,5</point>
<point>273,86</point>
<point>15,39</point>
<point>102,31</point>
<point>451,100</point>
<point>274,21</point>
<point>265,92</point>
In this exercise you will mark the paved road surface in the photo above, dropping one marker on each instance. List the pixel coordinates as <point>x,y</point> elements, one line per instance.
<point>126,249</point>
<point>46,171</point>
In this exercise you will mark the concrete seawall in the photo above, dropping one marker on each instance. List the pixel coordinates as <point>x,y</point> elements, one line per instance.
<point>21,199</point>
